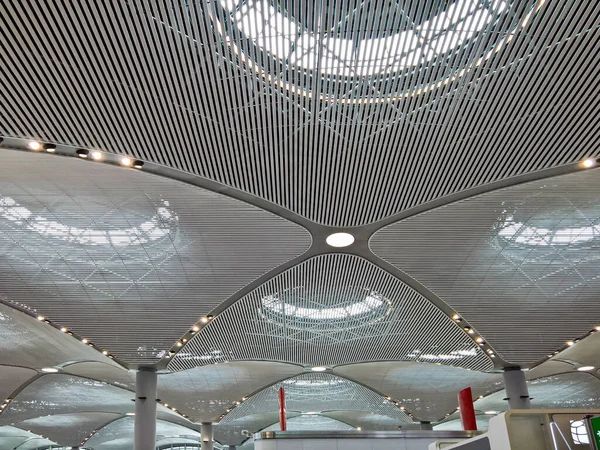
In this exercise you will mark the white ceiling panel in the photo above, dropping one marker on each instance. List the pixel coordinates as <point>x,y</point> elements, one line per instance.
<point>127,260</point>
<point>520,264</point>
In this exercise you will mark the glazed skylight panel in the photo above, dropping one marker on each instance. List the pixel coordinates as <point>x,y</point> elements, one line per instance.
<point>332,309</point>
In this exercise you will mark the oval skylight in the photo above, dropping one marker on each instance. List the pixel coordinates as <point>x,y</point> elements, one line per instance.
<point>400,37</point>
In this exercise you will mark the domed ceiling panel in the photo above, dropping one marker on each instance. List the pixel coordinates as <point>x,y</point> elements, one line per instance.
<point>68,429</point>
<point>503,258</point>
<point>102,372</point>
<point>65,394</point>
<point>119,434</point>
<point>573,390</point>
<point>126,259</point>
<point>428,391</point>
<point>29,342</point>
<point>12,378</point>
<point>317,392</point>
<point>366,420</point>
<point>237,431</point>
<point>332,309</point>
<point>204,393</point>
<point>299,105</point>
<point>312,422</point>
<point>12,437</point>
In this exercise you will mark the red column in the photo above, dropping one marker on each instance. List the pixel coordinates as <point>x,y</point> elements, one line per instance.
<point>467,411</point>
<point>282,421</point>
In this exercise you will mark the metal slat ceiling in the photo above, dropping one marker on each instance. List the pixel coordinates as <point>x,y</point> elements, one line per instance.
<point>332,309</point>
<point>520,264</point>
<point>237,431</point>
<point>204,393</point>
<point>188,85</point>
<point>128,260</point>
<point>65,394</point>
<point>67,429</point>
<point>317,392</point>
<point>573,390</point>
<point>28,342</point>
<point>428,391</point>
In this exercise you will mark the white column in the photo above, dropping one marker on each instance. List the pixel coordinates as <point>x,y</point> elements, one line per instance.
<point>206,434</point>
<point>516,388</point>
<point>145,409</point>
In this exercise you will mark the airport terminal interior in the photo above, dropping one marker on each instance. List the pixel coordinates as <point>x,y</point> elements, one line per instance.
<point>224,218</point>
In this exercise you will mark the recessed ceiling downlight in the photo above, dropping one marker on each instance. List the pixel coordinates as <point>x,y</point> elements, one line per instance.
<point>340,239</point>
<point>585,368</point>
<point>319,369</point>
<point>49,370</point>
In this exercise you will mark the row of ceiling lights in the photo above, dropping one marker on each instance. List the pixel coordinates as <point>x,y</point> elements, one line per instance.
<point>83,153</point>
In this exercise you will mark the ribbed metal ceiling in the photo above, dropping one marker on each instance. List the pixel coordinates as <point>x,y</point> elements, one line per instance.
<point>573,390</point>
<point>68,429</point>
<point>119,434</point>
<point>426,390</point>
<point>65,394</point>
<point>332,309</point>
<point>26,341</point>
<point>317,392</point>
<point>204,393</point>
<point>520,264</point>
<point>366,420</point>
<point>237,431</point>
<point>312,423</point>
<point>128,260</point>
<point>12,378</point>
<point>229,90</point>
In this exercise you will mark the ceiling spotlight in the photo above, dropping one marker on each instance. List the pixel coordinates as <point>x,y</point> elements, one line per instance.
<point>34,145</point>
<point>479,340</point>
<point>456,317</point>
<point>96,155</point>
<point>126,161</point>
<point>585,368</point>
<point>597,328</point>
<point>85,341</point>
<point>104,352</point>
<point>358,428</point>
<point>318,369</point>
<point>203,319</point>
<point>588,163</point>
<point>138,164</point>
<point>130,414</point>
<point>179,344</point>
<point>82,152</point>
<point>49,370</point>
<point>491,413</point>
<point>41,318</point>
<point>340,239</point>
<point>64,330</point>
<point>50,148</point>
<point>570,343</point>
<point>195,328</point>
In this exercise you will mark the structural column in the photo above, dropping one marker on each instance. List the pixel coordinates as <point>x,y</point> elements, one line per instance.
<point>515,385</point>
<point>206,434</point>
<point>231,447</point>
<point>145,409</point>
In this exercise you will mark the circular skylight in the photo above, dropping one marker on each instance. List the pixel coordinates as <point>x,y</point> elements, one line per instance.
<point>405,48</point>
<point>327,311</point>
